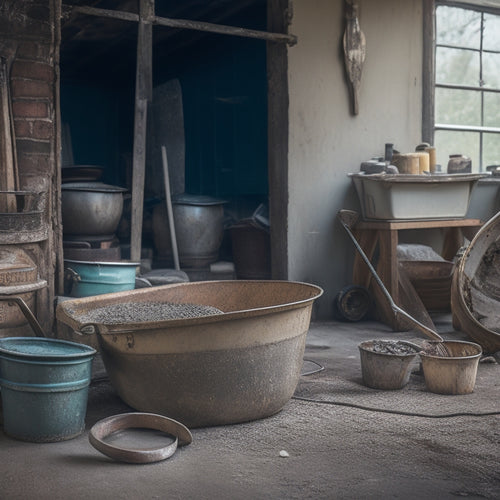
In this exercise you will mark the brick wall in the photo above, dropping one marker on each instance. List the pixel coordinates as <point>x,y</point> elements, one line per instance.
<point>32,81</point>
<point>28,42</point>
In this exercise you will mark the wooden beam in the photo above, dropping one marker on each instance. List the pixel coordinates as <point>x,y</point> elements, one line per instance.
<point>8,166</point>
<point>143,95</point>
<point>277,123</point>
<point>225,30</point>
<point>94,11</point>
<point>185,24</point>
<point>428,70</point>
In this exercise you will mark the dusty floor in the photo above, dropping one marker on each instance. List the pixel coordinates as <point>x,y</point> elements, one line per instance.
<point>356,443</point>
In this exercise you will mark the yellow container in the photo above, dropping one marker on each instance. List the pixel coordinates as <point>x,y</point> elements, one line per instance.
<point>432,159</point>
<point>424,162</point>
<point>408,163</point>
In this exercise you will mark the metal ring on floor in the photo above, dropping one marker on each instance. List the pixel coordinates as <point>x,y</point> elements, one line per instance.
<point>104,428</point>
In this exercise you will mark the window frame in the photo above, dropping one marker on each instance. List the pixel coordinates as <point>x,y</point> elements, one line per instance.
<point>429,85</point>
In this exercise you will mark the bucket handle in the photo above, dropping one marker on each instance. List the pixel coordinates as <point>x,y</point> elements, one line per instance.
<point>88,329</point>
<point>30,317</point>
<point>70,277</point>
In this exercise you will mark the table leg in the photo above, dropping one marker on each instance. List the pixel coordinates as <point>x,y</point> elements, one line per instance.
<point>453,240</point>
<point>367,240</point>
<point>387,268</point>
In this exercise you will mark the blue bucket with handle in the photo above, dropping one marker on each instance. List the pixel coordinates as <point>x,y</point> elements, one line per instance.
<point>44,386</point>
<point>88,278</point>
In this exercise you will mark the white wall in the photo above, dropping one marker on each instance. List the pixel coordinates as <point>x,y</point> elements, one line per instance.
<point>327,141</point>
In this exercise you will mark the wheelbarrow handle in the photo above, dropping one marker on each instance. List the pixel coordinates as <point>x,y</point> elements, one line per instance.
<point>30,317</point>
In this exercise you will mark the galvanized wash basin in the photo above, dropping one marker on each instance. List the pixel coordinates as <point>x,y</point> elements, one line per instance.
<point>218,369</point>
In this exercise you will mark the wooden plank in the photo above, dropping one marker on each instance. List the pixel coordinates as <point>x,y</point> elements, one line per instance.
<point>225,30</point>
<point>277,158</point>
<point>453,240</point>
<point>138,177</point>
<point>428,70</point>
<point>387,268</point>
<point>368,241</point>
<point>8,170</point>
<point>418,224</point>
<point>143,94</point>
<point>186,24</point>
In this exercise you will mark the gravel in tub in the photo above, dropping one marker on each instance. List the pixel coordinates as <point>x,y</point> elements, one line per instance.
<point>138,312</point>
<point>393,347</point>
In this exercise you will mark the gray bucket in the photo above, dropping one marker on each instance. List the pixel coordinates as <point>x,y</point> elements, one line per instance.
<point>44,385</point>
<point>386,371</point>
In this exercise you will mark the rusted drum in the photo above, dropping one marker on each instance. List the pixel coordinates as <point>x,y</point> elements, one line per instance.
<point>475,293</point>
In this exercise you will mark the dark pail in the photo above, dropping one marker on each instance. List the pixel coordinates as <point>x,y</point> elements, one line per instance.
<point>44,385</point>
<point>251,247</point>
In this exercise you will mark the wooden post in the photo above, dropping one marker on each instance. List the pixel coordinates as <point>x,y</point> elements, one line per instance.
<point>8,168</point>
<point>278,14</point>
<point>428,70</point>
<point>143,95</point>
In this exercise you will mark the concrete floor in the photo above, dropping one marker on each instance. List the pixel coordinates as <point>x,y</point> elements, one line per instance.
<point>356,443</point>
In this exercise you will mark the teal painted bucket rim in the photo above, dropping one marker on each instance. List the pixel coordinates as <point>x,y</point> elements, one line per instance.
<point>38,348</point>
<point>15,358</point>
<point>106,283</point>
<point>73,385</point>
<point>122,263</point>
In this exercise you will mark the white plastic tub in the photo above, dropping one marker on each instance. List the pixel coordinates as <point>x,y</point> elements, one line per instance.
<point>407,197</point>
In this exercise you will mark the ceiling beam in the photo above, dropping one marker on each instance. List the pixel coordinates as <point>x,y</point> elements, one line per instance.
<point>184,24</point>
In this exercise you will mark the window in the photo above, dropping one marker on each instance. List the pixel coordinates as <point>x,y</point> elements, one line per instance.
<point>467,84</point>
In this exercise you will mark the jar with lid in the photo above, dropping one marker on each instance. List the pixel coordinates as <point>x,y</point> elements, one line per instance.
<point>459,164</point>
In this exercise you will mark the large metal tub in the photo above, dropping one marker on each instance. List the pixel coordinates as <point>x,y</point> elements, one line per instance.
<point>222,369</point>
<point>410,197</point>
<point>475,293</point>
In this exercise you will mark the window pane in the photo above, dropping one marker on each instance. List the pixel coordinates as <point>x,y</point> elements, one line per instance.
<point>448,143</point>
<point>458,67</point>
<point>491,110</point>
<point>491,149</point>
<point>458,107</point>
<point>458,27</point>
<point>491,70</point>
<point>491,37</point>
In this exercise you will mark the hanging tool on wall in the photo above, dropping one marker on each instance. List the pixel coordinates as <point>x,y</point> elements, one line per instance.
<point>354,51</point>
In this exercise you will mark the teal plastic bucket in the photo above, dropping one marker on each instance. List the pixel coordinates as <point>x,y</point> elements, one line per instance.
<point>86,278</point>
<point>44,385</point>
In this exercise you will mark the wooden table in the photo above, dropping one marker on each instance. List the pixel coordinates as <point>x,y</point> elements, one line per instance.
<point>385,235</point>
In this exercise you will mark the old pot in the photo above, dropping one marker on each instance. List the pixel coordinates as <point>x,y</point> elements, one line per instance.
<point>199,227</point>
<point>387,370</point>
<point>91,208</point>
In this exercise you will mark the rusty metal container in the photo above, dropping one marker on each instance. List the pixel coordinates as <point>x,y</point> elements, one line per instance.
<point>227,368</point>
<point>44,386</point>
<point>199,227</point>
<point>251,246</point>
<point>25,220</point>
<point>18,277</point>
<point>454,374</point>
<point>386,371</point>
<point>475,292</point>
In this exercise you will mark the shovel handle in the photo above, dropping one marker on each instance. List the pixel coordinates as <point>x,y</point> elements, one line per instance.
<point>348,218</point>
<point>30,317</point>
